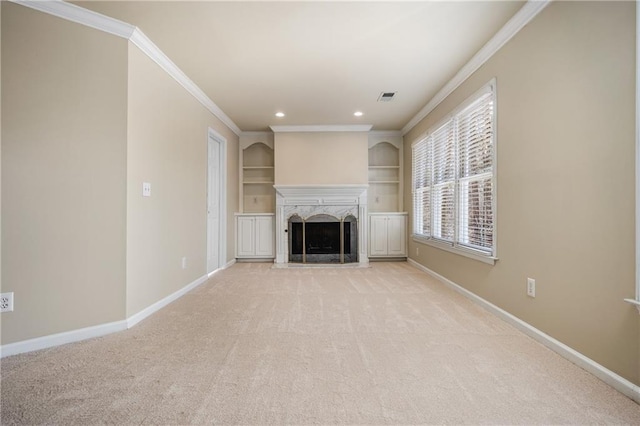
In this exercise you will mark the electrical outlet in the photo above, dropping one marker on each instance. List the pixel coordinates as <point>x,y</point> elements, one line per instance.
<point>184,263</point>
<point>531,287</point>
<point>146,189</point>
<point>6,302</point>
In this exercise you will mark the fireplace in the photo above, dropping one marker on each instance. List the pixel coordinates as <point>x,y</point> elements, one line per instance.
<point>321,224</point>
<point>323,239</point>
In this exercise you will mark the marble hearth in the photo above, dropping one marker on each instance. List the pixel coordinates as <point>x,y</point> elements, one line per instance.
<point>307,201</point>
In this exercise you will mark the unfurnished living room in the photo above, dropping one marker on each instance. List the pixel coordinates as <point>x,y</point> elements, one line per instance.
<point>309,212</point>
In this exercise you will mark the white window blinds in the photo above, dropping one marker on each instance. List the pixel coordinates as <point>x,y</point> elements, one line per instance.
<point>475,188</point>
<point>453,177</point>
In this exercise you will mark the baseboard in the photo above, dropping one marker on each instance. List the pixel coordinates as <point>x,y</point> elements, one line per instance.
<point>61,338</point>
<point>102,329</point>
<point>227,265</point>
<point>150,310</point>
<point>609,377</point>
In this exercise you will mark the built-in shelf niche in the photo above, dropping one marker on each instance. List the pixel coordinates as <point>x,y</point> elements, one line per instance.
<point>385,172</point>
<point>257,173</point>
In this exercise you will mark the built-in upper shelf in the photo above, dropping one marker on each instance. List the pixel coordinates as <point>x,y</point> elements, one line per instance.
<point>257,173</point>
<point>385,172</point>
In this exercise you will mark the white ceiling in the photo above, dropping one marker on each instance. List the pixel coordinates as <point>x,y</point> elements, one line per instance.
<point>318,62</point>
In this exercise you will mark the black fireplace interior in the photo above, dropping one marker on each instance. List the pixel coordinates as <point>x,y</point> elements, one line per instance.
<point>322,238</point>
<point>322,242</point>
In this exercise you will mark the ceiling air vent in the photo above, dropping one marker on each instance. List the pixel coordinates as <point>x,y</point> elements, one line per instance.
<point>386,96</point>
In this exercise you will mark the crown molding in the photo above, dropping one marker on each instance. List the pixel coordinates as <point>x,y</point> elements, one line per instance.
<point>79,15</point>
<point>322,128</point>
<point>149,48</point>
<point>529,11</point>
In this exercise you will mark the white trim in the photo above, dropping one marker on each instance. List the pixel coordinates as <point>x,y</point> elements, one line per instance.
<point>113,26</point>
<point>80,15</point>
<point>61,338</point>
<point>322,128</point>
<point>314,199</point>
<point>634,302</point>
<point>609,377</point>
<point>455,249</point>
<point>321,194</point>
<point>389,136</point>
<point>637,165</point>
<point>102,329</point>
<point>229,264</point>
<point>155,54</point>
<point>529,11</point>
<point>149,310</point>
<point>217,137</point>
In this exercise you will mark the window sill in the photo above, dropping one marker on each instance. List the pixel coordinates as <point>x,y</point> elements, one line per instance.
<point>489,260</point>
<point>634,302</point>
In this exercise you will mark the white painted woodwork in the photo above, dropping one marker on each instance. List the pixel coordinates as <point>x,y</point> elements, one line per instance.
<point>254,236</point>
<point>256,172</point>
<point>388,235</point>
<point>216,201</point>
<point>264,244</point>
<point>309,200</point>
<point>385,172</point>
<point>378,236</point>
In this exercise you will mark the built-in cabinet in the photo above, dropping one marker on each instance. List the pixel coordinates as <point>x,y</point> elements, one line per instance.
<point>255,226</point>
<point>255,236</point>
<point>387,222</point>
<point>387,235</point>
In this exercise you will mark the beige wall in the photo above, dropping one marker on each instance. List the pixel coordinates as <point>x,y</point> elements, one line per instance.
<point>64,118</point>
<point>86,119</point>
<point>167,147</point>
<point>321,158</point>
<point>565,137</point>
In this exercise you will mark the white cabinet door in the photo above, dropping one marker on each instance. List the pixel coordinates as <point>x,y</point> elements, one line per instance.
<point>378,236</point>
<point>264,236</point>
<point>396,236</point>
<point>245,244</point>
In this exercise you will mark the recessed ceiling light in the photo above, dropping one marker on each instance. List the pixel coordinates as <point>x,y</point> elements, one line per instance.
<point>279,114</point>
<point>358,114</point>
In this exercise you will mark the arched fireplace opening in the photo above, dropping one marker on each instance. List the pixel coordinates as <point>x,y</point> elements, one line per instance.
<point>323,238</point>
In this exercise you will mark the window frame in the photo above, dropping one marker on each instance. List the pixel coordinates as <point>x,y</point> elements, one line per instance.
<point>455,246</point>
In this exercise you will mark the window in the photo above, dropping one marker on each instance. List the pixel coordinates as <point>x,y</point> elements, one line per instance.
<point>454,179</point>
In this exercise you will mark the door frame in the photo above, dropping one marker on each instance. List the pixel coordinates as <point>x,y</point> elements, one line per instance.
<point>215,137</point>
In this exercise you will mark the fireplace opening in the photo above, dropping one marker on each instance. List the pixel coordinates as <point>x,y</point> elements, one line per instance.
<point>323,239</point>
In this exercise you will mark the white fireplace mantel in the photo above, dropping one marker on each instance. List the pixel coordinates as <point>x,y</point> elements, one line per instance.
<point>307,200</point>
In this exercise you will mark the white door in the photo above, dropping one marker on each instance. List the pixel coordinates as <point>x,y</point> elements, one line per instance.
<point>378,236</point>
<point>246,243</point>
<point>216,203</point>
<point>396,239</point>
<point>264,236</point>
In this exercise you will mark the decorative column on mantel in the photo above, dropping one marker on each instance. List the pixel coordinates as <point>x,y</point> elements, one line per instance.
<point>309,200</point>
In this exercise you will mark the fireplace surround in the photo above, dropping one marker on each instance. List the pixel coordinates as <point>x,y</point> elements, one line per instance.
<point>342,211</point>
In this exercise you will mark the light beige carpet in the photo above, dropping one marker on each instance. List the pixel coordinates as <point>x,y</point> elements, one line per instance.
<point>256,345</point>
